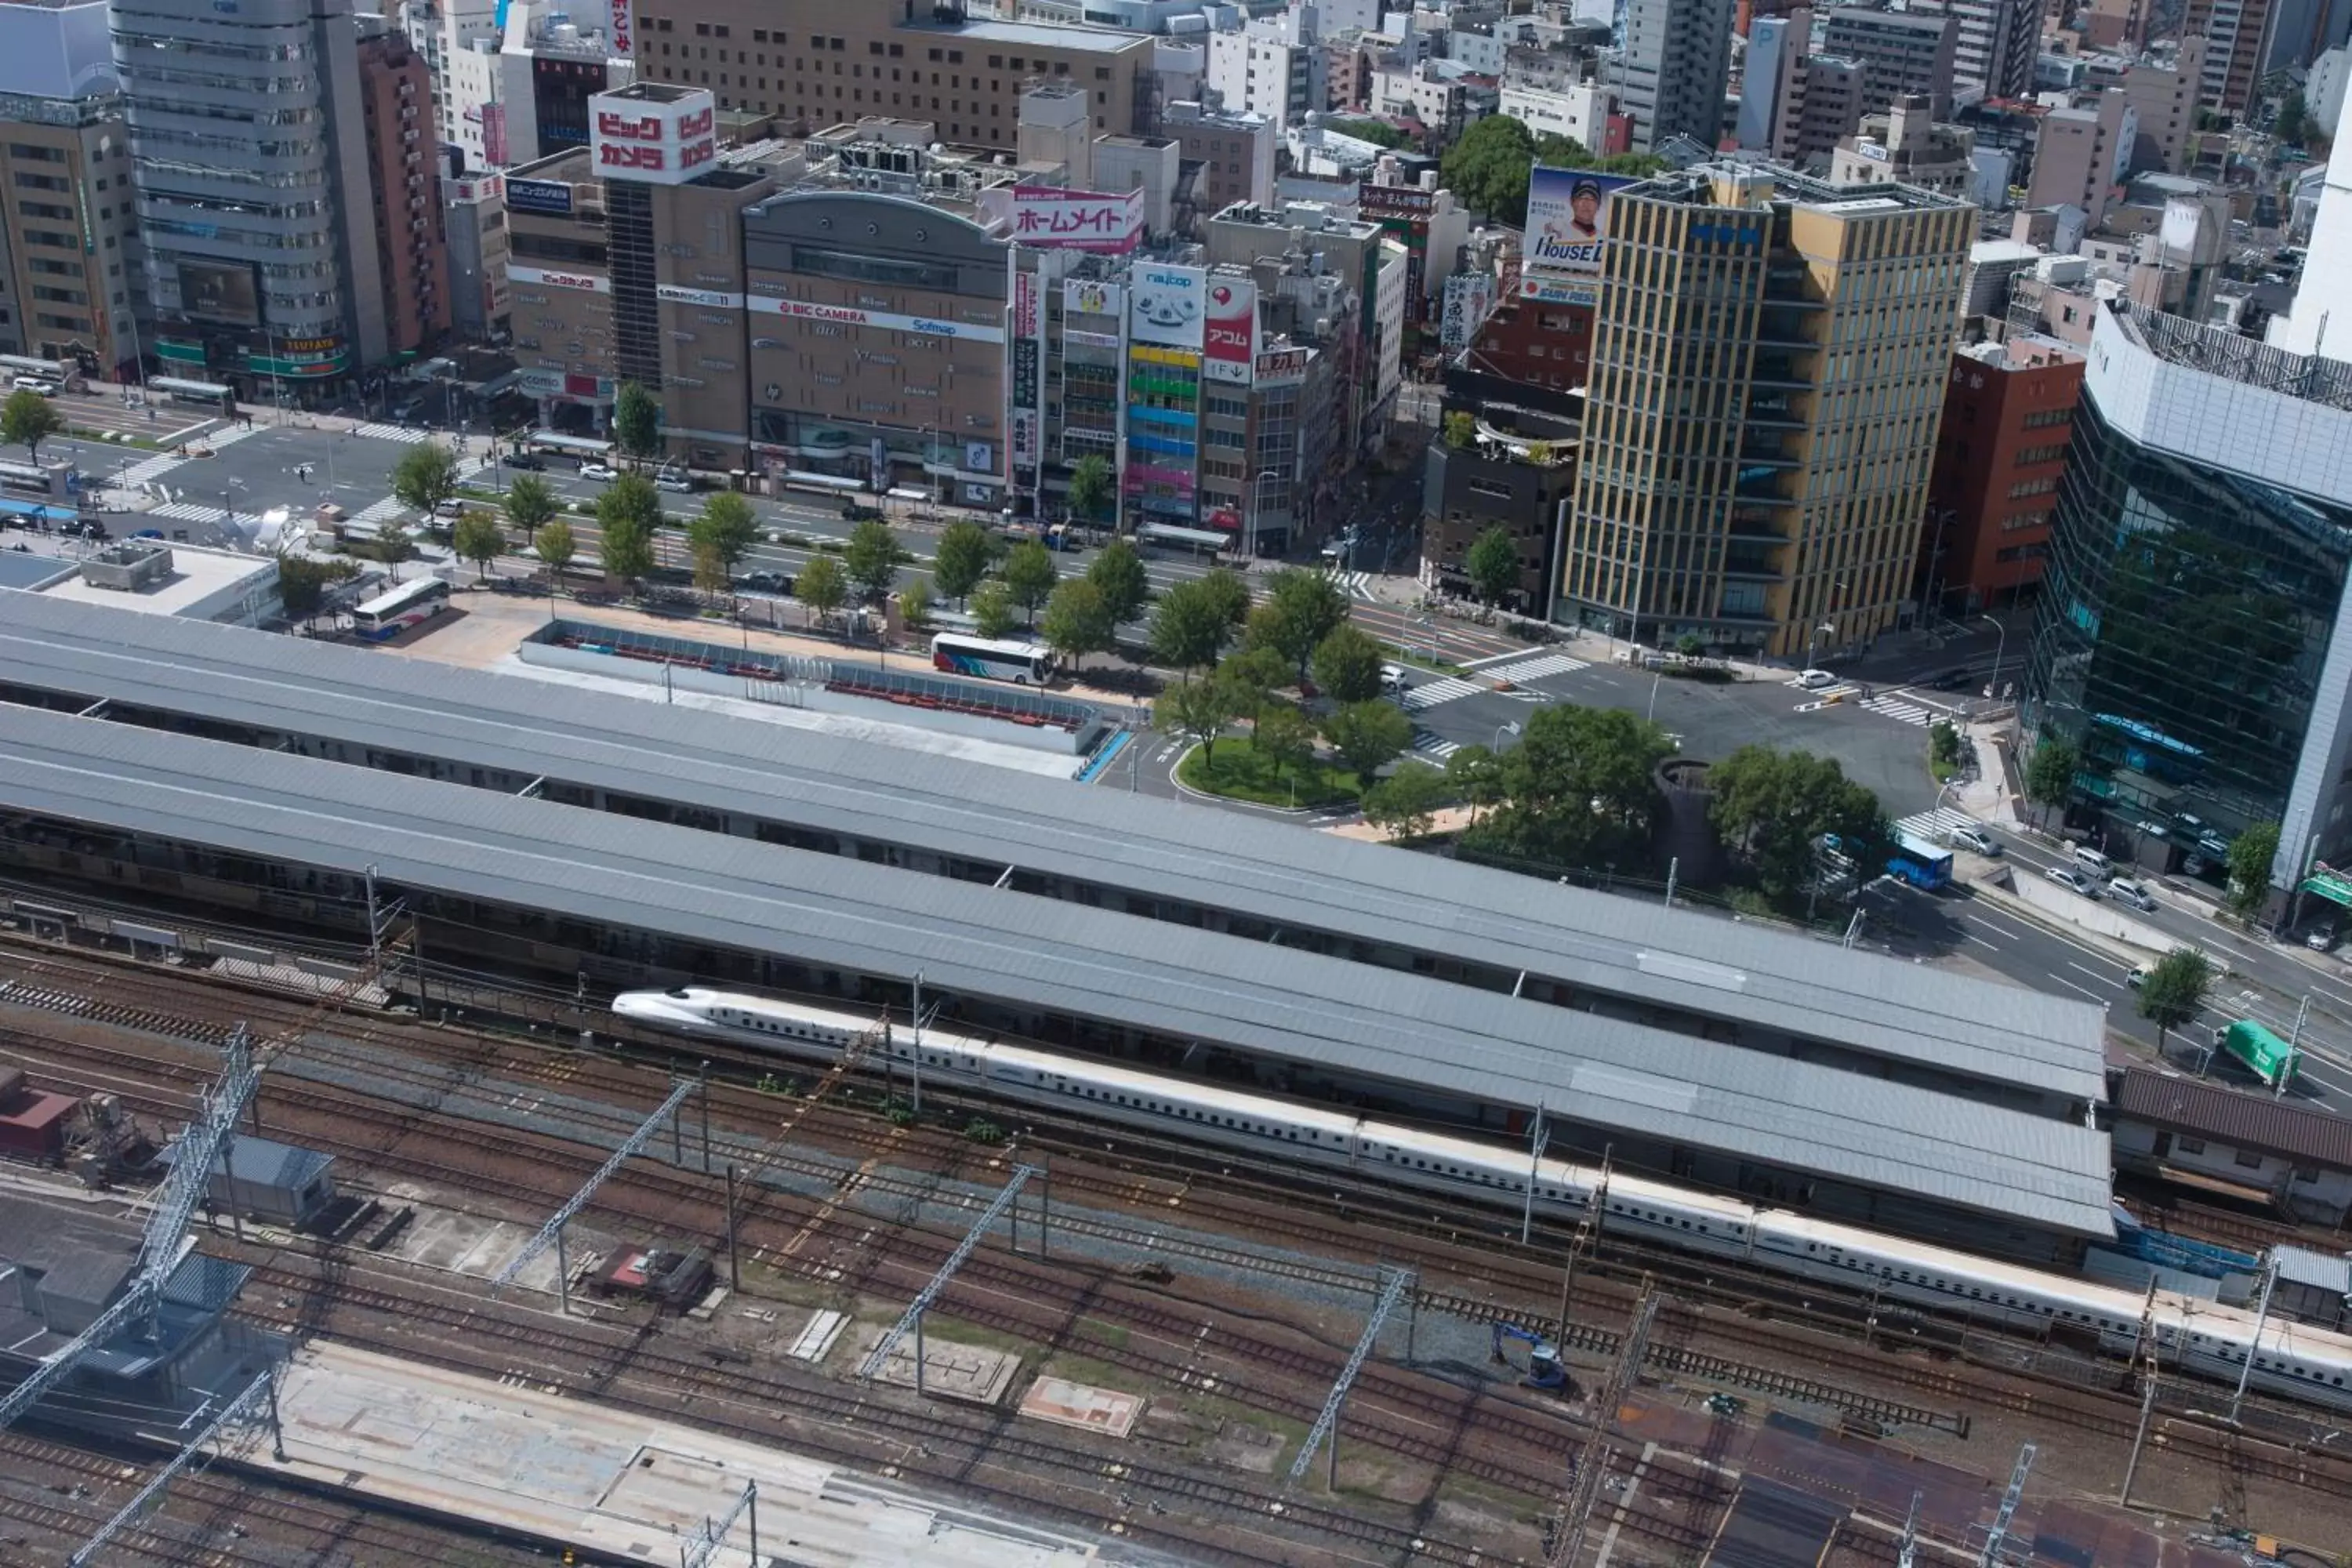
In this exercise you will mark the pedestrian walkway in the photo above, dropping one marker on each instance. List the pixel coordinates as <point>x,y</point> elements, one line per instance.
<point>392,433</point>
<point>1535,668</point>
<point>1901,711</point>
<point>1428,745</point>
<point>1932,826</point>
<point>1445,688</point>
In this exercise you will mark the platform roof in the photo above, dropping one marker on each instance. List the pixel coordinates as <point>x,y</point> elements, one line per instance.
<point>1684,960</point>
<point>1040,953</point>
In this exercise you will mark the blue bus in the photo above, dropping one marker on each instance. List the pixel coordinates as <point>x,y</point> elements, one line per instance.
<point>1920,863</point>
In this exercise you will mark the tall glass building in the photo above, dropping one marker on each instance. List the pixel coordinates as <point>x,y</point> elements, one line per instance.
<point>2194,636</point>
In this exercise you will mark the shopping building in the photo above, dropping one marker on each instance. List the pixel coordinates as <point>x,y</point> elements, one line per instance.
<point>2194,636</point>
<point>1768,360</point>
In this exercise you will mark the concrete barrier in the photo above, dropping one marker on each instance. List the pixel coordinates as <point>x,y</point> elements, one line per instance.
<point>2098,916</point>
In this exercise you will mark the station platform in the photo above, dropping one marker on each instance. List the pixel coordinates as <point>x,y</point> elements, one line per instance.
<point>608,1481</point>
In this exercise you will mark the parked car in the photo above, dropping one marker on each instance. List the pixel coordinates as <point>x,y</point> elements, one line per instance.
<point>2073,881</point>
<point>530,462</point>
<point>674,481</point>
<point>1950,680</point>
<point>1816,680</point>
<point>766,582</point>
<point>603,473</point>
<point>2123,890</point>
<point>2320,938</point>
<point>1973,838</point>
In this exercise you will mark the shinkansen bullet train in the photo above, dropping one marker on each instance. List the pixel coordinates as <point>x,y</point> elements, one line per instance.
<point>2203,1337</point>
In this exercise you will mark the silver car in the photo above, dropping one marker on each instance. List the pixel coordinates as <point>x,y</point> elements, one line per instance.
<point>2077,881</point>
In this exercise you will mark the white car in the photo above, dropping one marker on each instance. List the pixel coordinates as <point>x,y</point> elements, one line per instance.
<point>1816,680</point>
<point>453,507</point>
<point>602,472</point>
<point>1974,839</point>
<point>2076,881</point>
<point>677,484</point>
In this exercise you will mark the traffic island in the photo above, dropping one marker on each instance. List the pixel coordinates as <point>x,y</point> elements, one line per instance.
<point>1234,769</point>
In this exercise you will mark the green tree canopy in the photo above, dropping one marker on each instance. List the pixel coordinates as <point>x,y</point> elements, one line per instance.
<point>1580,787</point>
<point>915,602</point>
<point>822,586</point>
<point>1195,711</point>
<point>1091,487</point>
<point>1076,622</point>
<point>2251,853</point>
<point>1029,575</point>
<point>870,559</point>
<point>1347,665</point>
<point>1461,428</point>
<point>392,545</point>
<point>1368,736</point>
<point>626,515</point>
<point>479,538</point>
<point>1117,572</point>
<point>1284,736</point>
<point>302,582</point>
<point>1249,678</point>
<point>962,559</point>
<point>636,420</point>
<point>531,504</point>
<point>1403,804</point>
<point>1488,167</point>
<point>1379,132</point>
<point>554,545</point>
<point>1230,592</point>
<point>1773,808</point>
<point>1300,609</point>
<point>723,529</point>
<point>27,419</point>
<point>1476,773</point>
<point>1492,562</point>
<point>993,613</point>
<point>425,476</point>
<point>2172,991</point>
<point>1189,627</point>
<point>2050,772</point>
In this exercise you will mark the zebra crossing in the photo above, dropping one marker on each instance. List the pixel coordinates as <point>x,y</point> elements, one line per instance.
<point>183,511</point>
<point>1931,826</point>
<point>1535,669</point>
<point>1894,707</point>
<point>1445,688</point>
<point>162,463</point>
<point>1425,744</point>
<point>392,432</point>
<point>1358,585</point>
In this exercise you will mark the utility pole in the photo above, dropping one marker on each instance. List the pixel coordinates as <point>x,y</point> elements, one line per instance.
<point>2261,1317</point>
<point>1588,1234</point>
<point>1999,1535</point>
<point>1585,1485</point>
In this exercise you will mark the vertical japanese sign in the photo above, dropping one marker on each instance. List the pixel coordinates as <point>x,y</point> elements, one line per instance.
<point>1229,351</point>
<point>1027,444</point>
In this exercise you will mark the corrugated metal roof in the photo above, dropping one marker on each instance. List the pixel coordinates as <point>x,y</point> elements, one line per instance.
<point>2247,1121</point>
<point>2321,1270</point>
<point>1810,990</point>
<point>978,941</point>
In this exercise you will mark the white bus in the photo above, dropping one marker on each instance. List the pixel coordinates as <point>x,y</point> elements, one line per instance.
<point>410,605</point>
<point>1023,663</point>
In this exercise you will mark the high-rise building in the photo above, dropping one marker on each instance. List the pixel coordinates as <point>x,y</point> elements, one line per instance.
<point>2321,319</point>
<point>1676,60</point>
<point>1768,360</point>
<point>2194,636</point>
<point>252,177</point>
<point>404,162</point>
<point>69,284</point>
<point>1900,53</point>
<point>2163,92</point>
<point>2237,37</point>
<point>1995,42</point>
<point>2082,153</point>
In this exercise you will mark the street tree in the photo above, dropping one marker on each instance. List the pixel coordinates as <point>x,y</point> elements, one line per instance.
<point>724,530</point>
<point>1249,677</point>
<point>1347,665</point>
<point>479,538</point>
<point>1492,562</point>
<point>302,582</point>
<point>2251,854</point>
<point>2049,772</point>
<point>1284,737</point>
<point>1029,575</point>
<point>392,545</point>
<point>1076,622</point>
<point>425,476</point>
<point>1475,774</point>
<point>915,602</point>
<point>2172,991</point>
<point>1773,808</point>
<point>27,419</point>
<point>1405,804</point>
<point>626,515</point>
<point>1116,571</point>
<point>710,573</point>
<point>1368,736</point>
<point>1189,627</point>
<point>1580,787</point>
<point>823,586</point>
<point>962,559</point>
<point>1230,592</point>
<point>1091,491</point>
<point>1300,609</point>
<point>1488,168</point>
<point>870,559</point>
<point>532,505</point>
<point>993,613</point>
<point>1195,711</point>
<point>554,546</point>
<point>636,420</point>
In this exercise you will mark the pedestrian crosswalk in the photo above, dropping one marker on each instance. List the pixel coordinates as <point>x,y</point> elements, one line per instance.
<point>1901,711</point>
<point>383,511</point>
<point>1427,745</point>
<point>161,463</point>
<point>1445,688</point>
<point>392,432</point>
<point>1357,585</point>
<point>1932,826</point>
<point>1535,668</point>
<point>183,511</point>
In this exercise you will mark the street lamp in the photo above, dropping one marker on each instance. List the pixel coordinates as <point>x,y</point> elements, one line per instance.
<point>1501,731</point>
<point>1992,689</point>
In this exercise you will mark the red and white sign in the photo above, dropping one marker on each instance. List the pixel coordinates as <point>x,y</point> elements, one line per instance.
<point>622,33</point>
<point>1050,218</point>
<point>653,133</point>
<point>549,277</point>
<point>1229,345</point>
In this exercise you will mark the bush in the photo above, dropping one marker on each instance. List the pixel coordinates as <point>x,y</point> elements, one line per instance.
<point>980,1129</point>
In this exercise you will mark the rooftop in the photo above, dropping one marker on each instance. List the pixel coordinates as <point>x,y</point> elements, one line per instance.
<point>2218,352</point>
<point>1042,955</point>
<point>2245,1120</point>
<point>1034,36</point>
<point>196,577</point>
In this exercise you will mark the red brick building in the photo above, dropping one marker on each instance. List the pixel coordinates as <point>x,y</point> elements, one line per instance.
<point>1534,342</point>
<point>2001,454</point>
<point>404,158</point>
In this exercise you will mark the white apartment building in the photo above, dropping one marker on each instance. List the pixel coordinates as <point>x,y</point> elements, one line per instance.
<point>1271,65</point>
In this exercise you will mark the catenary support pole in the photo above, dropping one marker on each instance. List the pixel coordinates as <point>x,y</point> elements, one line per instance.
<point>734,1253</point>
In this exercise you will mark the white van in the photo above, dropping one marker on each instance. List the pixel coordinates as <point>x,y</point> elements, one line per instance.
<point>2091,860</point>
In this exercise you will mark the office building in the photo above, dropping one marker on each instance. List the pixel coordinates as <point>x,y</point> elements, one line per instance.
<point>2194,636</point>
<point>69,283</point>
<point>2162,89</point>
<point>1905,144</point>
<point>1900,53</point>
<point>821,64</point>
<point>1518,484</point>
<point>1231,154</point>
<point>1675,63</point>
<point>1795,105</point>
<point>1581,111</point>
<point>253,215</point>
<point>2236,33</point>
<point>1999,454</point>
<point>403,162</point>
<point>2083,152</point>
<point>2303,30</point>
<point>1768,360</point>
<point>1995,42</point>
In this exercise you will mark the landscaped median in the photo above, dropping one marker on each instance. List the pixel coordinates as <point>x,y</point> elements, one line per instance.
<point>1237,770</point>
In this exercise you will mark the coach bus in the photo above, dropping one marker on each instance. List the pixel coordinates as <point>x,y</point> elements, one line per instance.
<point>410,605</point>
<point>1023,663</point>
<point>200,393</point>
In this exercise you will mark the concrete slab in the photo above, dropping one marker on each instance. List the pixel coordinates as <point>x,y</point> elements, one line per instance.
<point>479,1247</point>
<point>1066,1403</point>
<point>951,1371</point>
<point>572,1474</point>
<point>1238,1445</point>
<point>817,1336</point>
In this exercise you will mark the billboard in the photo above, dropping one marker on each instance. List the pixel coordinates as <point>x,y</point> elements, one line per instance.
<point>1084,296</point>
<point>220,291</point>
<point>1229,339</point>
<point>856,316</point>
<point>1468,296</point>
<point>663,141</point>
<point>1168,304</point>
<point>622,33</point>
<point>1568,219</point>
<point>1559,291</point>
<point>552,197</point>
<point>1025,412</point>
<point>1055,219</point>
<point>1394,201</point>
